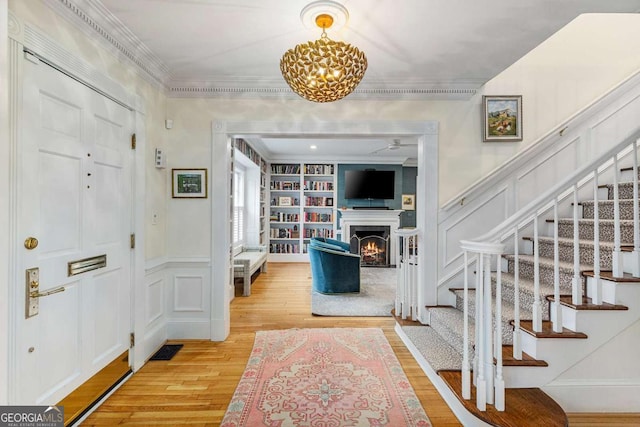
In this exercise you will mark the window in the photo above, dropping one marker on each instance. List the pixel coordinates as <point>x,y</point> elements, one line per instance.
<point>238,206</point>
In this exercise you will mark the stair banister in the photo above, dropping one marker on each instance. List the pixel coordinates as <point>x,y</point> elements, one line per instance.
<point>407,286</point>
<point>466,368</point>
<point>486,378</point>
<point>597,283</point>
<point>508,225</point>
<point>636,214</point>
<point>517,344</point>
<point>617,268</point>
<point>557,308</point>
<point>576,284</point>
<point>537,308</point>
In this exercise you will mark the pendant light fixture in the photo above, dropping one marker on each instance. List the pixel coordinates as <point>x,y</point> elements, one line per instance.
<point>323,70</point>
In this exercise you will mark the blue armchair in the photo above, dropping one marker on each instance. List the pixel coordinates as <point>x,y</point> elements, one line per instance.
<point>333,269</point>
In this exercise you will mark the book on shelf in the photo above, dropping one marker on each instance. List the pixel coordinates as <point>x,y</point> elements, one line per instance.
<point>316,169</point>
<point>280,169</point>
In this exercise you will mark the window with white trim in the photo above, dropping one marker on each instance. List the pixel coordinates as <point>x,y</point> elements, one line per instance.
<point>238,205</point>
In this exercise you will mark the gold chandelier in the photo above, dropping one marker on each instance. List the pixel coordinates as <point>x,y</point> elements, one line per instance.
<point>323,70</point>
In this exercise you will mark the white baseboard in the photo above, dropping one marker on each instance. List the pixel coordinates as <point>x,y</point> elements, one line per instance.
<point>188,329</point>
<point>596,396</point>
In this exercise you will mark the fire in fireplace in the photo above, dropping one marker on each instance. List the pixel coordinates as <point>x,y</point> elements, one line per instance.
<point>372,243</point>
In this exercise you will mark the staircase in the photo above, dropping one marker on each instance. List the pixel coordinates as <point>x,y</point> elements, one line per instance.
<point>577,309</point>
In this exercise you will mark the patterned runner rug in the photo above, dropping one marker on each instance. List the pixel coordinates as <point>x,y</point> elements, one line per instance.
<point>326,378</point>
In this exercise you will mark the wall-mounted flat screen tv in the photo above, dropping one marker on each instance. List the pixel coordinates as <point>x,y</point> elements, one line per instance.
<point>369,184</point>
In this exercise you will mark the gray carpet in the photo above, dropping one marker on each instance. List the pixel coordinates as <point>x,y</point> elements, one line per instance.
<point>376,298</point>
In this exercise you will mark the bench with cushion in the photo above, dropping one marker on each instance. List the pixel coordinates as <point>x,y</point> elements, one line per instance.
<point>247,262</point>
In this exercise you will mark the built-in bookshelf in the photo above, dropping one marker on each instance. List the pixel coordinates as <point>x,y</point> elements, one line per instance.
<point>302,197</point>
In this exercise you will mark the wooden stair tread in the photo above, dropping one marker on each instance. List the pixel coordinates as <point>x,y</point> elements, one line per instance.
<point>523,406</point>
<point>508,360</point>
<point>404,322</point>
<point>627,278</point>
<point>567,300</point>
<point>547,330</point>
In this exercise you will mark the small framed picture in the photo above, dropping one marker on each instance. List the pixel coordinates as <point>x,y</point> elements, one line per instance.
<point>409,202</point>
<point>189,183</point>
<point>284,201</point>
<point>329,201</point>
<point>502,118</point>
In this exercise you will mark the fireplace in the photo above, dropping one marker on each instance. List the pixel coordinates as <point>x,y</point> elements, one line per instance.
<point>372,243</point>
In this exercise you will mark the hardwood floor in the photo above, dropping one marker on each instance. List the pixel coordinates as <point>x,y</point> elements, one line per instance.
<point>196,386</point>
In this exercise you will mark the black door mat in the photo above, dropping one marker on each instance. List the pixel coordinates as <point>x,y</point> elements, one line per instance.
<point>166,352</point>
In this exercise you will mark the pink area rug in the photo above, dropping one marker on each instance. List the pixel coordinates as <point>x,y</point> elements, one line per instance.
<point>324,378</point>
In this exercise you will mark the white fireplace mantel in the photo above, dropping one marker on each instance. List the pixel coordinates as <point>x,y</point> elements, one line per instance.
<point>380,217</point>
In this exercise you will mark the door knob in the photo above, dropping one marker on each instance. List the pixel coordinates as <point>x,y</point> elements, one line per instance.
<point>31,243</point>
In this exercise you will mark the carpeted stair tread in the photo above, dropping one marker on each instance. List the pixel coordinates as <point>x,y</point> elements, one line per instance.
<point>448,322</point>
<point>434,348</point>
<point>508,312</point>
<point>564,266</point>
<point>568,241</point>
<point>606,209</point>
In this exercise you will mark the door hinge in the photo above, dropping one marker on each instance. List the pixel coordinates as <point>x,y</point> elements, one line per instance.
<point>133,141</point>
<point>132,240</point>
<point>132,339</point>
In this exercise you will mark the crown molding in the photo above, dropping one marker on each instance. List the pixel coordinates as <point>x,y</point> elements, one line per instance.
<point>270,90</point>
<point>92,18</point>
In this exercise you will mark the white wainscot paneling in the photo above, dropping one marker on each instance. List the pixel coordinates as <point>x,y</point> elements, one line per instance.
<point>540,177</point>
<point>188,293</point>
<point>155,301</point>
<point>614,127</point>
<point>475,221</point>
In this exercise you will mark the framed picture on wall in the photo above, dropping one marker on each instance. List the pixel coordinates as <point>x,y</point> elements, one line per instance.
<point>409,202</point>
<point>502,118</point>
<point>189,183</point>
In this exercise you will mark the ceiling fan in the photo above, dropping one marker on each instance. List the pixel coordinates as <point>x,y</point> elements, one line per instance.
<point>396,144</point>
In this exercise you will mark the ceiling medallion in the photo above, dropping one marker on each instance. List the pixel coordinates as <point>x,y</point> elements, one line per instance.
<point>323,70</point>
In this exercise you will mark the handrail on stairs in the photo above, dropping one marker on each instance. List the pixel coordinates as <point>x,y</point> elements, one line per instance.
<point>485,253</point>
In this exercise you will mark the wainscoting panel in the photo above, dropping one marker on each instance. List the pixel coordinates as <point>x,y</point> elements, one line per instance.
<point>485,215</point>
<point>155,301</point>
<point>535,180</point>
<point>188,293</point>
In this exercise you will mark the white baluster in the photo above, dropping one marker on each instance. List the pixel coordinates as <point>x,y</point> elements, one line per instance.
<point>399,278</point>
<point>414,286</point>
<point>466,371</point>
<point>517,345</point>
<point>537,308</point>
<point>596,297</point>
<point>499,380</point>
<point>617,267</point>
<point>557,308</point>
<point>636,214</point>
<point>576,291</point>
<point>476,336</point>
<point>481,383</point>
<point>488,328</point>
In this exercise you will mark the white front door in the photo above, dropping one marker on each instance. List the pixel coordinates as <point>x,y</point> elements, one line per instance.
<point>74,186</point>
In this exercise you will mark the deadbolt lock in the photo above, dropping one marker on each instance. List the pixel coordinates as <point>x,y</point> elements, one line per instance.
<point>31,243</point>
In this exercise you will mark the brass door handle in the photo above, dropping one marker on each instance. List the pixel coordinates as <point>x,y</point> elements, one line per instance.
<point>37,294</point>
